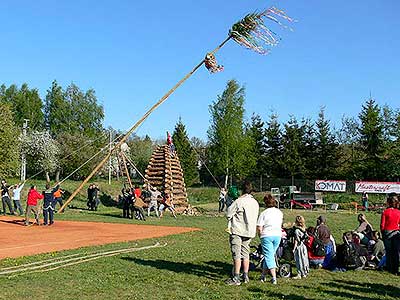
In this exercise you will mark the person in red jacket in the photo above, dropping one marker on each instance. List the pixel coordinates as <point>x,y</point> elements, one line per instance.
<point>390,228</point>
<point>137,191</point>
<point>315,261</point>
<point>31,204</point>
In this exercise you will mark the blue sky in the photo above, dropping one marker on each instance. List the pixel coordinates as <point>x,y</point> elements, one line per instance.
<point>132,52</point>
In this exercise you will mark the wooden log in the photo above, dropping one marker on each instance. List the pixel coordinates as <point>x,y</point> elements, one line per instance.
<point>155,173</point>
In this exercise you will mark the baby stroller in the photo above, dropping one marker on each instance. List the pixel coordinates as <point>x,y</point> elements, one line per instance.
<point>283,257</point>
<point>350,255</point>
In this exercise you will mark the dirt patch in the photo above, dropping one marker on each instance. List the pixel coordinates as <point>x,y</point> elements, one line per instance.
<point>20,240</point>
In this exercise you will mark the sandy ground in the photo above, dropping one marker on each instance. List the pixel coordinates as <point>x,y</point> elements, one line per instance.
<point>18,240</point>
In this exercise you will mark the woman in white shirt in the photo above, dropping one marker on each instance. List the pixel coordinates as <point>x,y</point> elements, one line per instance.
<point>269,227</point>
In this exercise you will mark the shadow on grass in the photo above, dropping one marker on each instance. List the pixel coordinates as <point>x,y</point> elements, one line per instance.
<point>381,289</point>
<point>265,293</point>
<point>110,215</point>
<point>209,269</point>
<point>107,200</point>
<point>19,222</point>
<point>350,295</point>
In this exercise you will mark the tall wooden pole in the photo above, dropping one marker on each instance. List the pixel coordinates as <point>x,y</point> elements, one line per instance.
<point>109,160</point>
<point>136,125</point>
<point>126,170</point>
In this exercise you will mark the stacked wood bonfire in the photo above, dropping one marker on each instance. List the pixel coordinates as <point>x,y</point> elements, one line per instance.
<point>165,173</point>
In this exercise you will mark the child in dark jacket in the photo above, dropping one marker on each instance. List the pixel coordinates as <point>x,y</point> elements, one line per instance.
<point>49,204</point>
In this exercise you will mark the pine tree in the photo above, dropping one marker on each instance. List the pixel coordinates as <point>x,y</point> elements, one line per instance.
<point>391,135</point>
<point>273,147</point>
<point>257,132</point>
<point>349,151</point>
<point>326,150</point>
<point>292,148</point>
<point>186,153</point>
<point>308,147</point>
<point>371,141</point>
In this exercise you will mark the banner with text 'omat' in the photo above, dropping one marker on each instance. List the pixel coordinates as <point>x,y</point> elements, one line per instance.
<point>377,187</point>
<point>330,185</point>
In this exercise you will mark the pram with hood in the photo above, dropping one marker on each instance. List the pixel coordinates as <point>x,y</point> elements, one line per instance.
<point>284,258</point>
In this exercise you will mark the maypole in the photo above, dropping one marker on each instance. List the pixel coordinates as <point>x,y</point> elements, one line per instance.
<point>250,32</point>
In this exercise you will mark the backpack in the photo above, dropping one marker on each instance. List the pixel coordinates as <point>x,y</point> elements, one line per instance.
<point>352,260</point>
<point>318,247</point>
<point>291,236</point>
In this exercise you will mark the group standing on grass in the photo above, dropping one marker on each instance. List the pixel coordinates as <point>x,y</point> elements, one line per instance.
<point>134,201</point>
<point>16,197</point>
<point>312,246</point>
<point>93,197</point>
<point>49,204</point>
<point>50,196</point>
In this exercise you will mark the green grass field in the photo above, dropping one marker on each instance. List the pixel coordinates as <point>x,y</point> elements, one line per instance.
<point>192,266</point>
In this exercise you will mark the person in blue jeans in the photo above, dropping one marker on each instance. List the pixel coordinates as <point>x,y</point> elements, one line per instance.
<point>49,204</point>
<point>269,228</point>
<point>324,234</point>
<point>17,197</point>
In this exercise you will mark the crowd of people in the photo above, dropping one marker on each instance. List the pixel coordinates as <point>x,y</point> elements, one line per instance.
<point>134,201</point>
<point>50,196</point>
<point>308,247</point>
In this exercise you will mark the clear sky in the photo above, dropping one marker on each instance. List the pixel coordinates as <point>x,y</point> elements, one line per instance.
<point>132,52</point>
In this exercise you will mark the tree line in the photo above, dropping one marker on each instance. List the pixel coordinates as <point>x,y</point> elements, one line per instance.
<point>63,121</point>
<point>365,147</point>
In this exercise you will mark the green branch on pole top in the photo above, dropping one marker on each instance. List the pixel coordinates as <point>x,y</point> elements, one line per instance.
<point>252,33</point>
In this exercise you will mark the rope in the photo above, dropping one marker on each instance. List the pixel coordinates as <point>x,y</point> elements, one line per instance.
<point>191,145</point>
<point>133,165</point>
<point>212,175</point>
<point>39,262</point>
<point>81,166</point>
<point>62,263</point>
<point>72,153</point>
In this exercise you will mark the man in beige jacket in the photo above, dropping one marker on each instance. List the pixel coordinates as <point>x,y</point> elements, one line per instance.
<point>242,220</point>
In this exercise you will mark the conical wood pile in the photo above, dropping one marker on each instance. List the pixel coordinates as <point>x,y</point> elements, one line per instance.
<point>165,173</point>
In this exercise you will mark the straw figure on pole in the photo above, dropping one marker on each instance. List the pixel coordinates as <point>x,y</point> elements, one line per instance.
<point>250,32</point>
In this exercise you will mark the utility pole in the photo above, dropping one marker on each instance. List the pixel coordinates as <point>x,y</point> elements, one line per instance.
<point>23,158</point>
<point>109,161</point>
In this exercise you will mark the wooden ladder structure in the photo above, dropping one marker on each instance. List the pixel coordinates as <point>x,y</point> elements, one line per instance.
<point>165,173</point>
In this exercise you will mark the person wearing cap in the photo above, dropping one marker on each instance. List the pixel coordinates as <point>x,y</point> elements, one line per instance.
<point>324,234</point>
